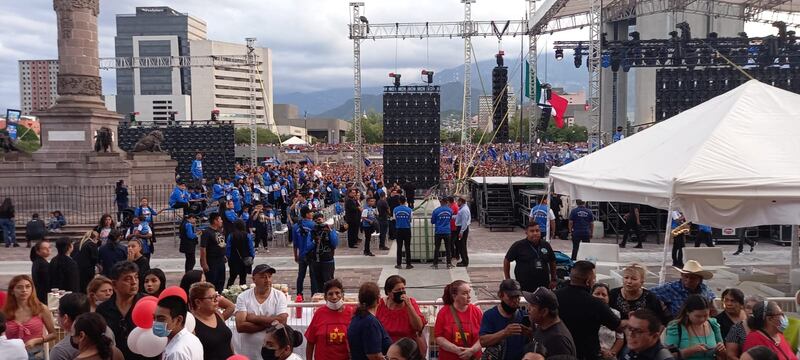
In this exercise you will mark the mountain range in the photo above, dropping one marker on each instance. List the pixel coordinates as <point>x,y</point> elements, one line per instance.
<point>338,102</point>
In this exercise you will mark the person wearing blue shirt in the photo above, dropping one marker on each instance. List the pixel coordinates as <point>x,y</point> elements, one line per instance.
<point>338,207</point>
<point>228,217</point>
<point>369,223</point>
<point>544,216</point>
<point>145,210</point>
<point>302,244</point>
<point>141,232</point>
<point>402,220</point>
<point>704,236</point>
<point>236,197</point>
<point>504,323</point>
<point>441,219</point>
<point>247,193</point>
<point>188,241</point>
<point>218,190</point>
<point>618,135</point>
<point>325,242</point>
<point>179,199</point>
<point>580,226</point>
<point>197,167</point>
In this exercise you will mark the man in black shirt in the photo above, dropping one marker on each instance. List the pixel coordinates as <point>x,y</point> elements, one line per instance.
<point>409,189</point>
<point>643,337</point>
<point>212,252</point>
<point>550,338</point>
<point>383,219</point>
<point>536,262</point>
<point>583,313</point>
<point>117,310</point>
<point>352,215</point>
<point>393,201</point>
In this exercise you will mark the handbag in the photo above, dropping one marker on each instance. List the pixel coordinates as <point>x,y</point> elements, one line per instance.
<point>247,261</point>
<point>458,323</point>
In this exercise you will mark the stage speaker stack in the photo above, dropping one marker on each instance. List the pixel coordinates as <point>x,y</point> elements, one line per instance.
<point>411,146</point>
<point>500,100</point>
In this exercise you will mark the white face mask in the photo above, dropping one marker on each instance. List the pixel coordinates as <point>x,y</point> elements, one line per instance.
<point>335,306</point>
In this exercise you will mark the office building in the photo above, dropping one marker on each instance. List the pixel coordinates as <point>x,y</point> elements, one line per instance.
<point>37,85</point>
<point>156,31</point>
<point>326,130</point>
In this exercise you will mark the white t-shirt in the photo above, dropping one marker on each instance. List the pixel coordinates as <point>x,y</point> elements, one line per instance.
<point>184,346</point>
<point>12,349</point>
<point>275,304</point>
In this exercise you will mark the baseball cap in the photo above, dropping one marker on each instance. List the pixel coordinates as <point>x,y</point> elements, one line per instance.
<point>510,287</point>
<point>542,297</point>
<point>263,268</point>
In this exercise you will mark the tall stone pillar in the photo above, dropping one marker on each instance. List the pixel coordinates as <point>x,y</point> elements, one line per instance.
<point>69,126</point>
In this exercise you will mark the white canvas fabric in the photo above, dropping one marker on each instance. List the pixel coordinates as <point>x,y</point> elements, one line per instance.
<point>733,161</point>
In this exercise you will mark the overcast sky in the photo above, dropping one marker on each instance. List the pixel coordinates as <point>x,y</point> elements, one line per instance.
<point>308,38</point>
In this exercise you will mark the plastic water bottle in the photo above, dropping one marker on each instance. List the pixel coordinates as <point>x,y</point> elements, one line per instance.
<point>298,311</point>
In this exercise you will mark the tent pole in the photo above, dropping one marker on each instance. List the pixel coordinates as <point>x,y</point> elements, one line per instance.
<point>549,189</point>
<point>795,256</point>
<point>662,275</point>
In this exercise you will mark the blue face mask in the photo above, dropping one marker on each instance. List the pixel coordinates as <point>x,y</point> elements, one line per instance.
<point>160,329</point>
<point>784,323</point>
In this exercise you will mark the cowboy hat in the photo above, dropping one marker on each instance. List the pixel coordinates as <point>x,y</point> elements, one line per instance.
<point>693,267</point>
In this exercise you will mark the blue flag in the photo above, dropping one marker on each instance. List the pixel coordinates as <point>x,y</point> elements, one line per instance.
<point>367,162</point>
<point>308,160</point>
<point>506,157</point>
<point>493,153</point>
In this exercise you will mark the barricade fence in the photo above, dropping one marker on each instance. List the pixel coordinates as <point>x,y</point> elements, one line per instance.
<point>81,205</point>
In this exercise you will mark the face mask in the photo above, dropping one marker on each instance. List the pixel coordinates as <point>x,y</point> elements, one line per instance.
<point>160,329</point>
<point>508,308</point>
<point>268,354</point>
<point>784,323</point>
<point>398,296</point>
<point>335,306</point>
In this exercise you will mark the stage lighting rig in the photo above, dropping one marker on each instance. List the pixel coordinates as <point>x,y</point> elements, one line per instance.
<point>429,74</point>
<point>578,57</point>
<point>396,78</point>
<point>499,57</point>
<point>559,54</point>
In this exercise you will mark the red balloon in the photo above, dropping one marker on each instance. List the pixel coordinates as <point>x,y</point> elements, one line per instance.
<point>174,291</point>
<point>148,298</point>
<point>143,313</point>
<point>238,357</point>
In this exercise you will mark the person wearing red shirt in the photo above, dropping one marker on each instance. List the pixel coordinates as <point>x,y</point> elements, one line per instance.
<point>327,334</point>
<point>453,228</point>
<point>458,342</point>
<point>400,314</point>
<point>766,327</point>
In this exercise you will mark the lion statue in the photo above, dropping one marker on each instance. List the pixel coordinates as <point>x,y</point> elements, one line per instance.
<point>103,140</point>
<point>150,142</point>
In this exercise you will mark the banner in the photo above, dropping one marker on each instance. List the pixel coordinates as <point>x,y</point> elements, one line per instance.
<point>12,120</point>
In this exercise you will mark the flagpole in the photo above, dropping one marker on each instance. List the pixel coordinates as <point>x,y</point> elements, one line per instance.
<point>521,85</point>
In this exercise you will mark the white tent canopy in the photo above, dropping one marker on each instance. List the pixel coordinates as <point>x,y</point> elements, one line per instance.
<point>733,161</point>
<point>294,140</point>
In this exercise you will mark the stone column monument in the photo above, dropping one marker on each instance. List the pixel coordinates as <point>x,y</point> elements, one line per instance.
<point>68,128</point>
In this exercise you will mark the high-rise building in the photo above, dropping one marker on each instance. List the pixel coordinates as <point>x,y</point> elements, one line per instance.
<point>486,108</point>
<point>227,89</point>
<point>37,85</point>
<point>156,31</point>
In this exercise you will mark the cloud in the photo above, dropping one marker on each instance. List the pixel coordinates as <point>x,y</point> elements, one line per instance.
<point>308,38</point>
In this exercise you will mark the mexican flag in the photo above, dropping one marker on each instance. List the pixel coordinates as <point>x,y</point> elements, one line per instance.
<point>557,104</point>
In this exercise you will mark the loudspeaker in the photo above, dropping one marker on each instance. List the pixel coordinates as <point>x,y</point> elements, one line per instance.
<point>536,170</point>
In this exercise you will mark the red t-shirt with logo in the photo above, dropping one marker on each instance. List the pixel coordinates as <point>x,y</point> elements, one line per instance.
<point>396,321</point>
<point>328,333</point>
<point>447,328</point>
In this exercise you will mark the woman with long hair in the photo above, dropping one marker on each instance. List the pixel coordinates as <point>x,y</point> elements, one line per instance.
<point>98,291</point>
<point>87,256</point>
<point>458,324</point>
<point>694,332</point>
<point>111,252</point>
<point>90,339</point>
<point>155,281</point>
<point>766,329</point>
<point>40,269</point>
<point>190,278</point>
<point>104,227</point>
<point>399,313</point>
<point>7,226</point>
<point>324,341</point>
<point>240,246</point>
<point>210,327</point>
<point>26,317</point>
<point>366,336</point>
<point>404,349</point>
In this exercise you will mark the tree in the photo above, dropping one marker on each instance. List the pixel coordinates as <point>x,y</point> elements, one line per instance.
<point>27,140</point>
<point>263,136</point>
<point>371,129</point>
<point>575,133</point>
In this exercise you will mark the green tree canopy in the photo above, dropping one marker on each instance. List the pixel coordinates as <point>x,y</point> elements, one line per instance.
<point>263,136</point>
<point>371,129</point>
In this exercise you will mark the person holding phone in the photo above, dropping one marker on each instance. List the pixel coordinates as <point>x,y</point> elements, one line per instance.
<point>503,329</point>
<point>695,333</point>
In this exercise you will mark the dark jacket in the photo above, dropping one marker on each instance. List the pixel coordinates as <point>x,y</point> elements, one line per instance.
<point>40,273</point>
<point>351,212</point>
<point>35,230</point>
<point>144,266</point>
<point>64,273</point>
<point>111,253</point>
<point>87,258</point>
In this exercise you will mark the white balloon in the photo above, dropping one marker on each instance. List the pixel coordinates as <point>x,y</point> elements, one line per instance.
<point>150,345</point>
<point>190,322</point>
<point>133,337</point>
